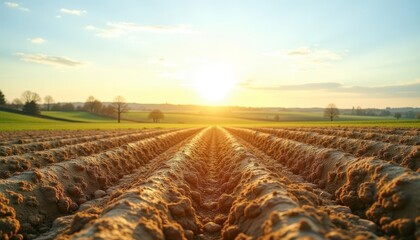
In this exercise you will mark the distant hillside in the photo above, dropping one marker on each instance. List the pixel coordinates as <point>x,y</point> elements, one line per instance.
<point>18,112</point>
<point>79,116</point>
<point>9,117</point>
<point>199,108</point>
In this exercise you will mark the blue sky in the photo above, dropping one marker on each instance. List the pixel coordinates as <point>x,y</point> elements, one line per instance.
<point>281,53</point>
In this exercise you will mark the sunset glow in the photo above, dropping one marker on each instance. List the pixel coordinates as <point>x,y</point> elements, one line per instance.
<point>214,82</point>
<point>232,53</point>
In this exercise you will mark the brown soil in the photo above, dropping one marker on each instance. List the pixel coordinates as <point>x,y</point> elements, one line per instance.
<point>404,155</point>
<point>213,183</point>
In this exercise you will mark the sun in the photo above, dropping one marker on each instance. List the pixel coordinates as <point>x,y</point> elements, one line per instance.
<point>214,81</point>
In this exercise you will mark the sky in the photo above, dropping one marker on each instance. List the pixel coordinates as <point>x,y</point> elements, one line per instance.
<point>266,53</point>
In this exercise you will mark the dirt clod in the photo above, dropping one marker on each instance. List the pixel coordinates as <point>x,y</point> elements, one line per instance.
<point>211,227</point>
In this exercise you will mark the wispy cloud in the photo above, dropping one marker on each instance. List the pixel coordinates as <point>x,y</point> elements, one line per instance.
<point>16,6</point>
<point>303,87</point>
<point>49,60</point>
<point>173,74</point>
<point>73,11</point>
<point>305,56</point>
<point>404,90</point>
<point>162,62</point>
<point>113,30</point>
<point>409,89</point>
<point>246,83</point>
<point>37,40</point>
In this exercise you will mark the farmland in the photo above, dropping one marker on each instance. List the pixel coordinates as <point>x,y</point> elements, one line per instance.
<point>138,120</point>
<point>13,118</point>
<point>79,116</point>
<point>185,118</point>
<point>211,183</point>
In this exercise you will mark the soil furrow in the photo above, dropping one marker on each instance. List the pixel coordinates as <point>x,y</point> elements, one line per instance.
<point>67,224</point>
<point>45,145</point>
<point>215,183</point>
<point>361,135</point>
<point>12,164</point>
<point>35,198</point>
<point>384,131</point>
<point>268,205</point>
<point>25,137</point>
<point>404,155</point>
<point>158,206</point>
<point>384,193</point>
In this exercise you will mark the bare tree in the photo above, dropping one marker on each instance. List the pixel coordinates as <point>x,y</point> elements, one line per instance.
<point>96,106</point>
<point>359,111</point>
<point>28,96</point>
<point>120,106</point>
<point>17,103</point>
<point>108,110</point>
<point>156,115</point>
<point>331,111</point>
<point>48,101</point>
<point>90,104</point>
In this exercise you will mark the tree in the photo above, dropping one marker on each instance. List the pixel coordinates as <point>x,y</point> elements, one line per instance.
<point>2,98</point>
<point>17,103</point>
<point>418,115</point>
<point>56,107</point>
<point>331,111</point>
<point>277,118</point>
<point>409,114</point>
<point>119,106</point>
<point>385,113</point>
<point>89,104</point>
<point>48,101</point>
<point>67,107</point>
<point>359,111</point>
<point>96,106</point>
<point>28,96</point>
<point>156,115</point>
<point>397,115</point>
<point>31,108</point>
<point>108,110</point>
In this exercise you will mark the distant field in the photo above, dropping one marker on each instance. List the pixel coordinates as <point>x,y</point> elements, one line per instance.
<point>303,116</point>
<point>180,118</point>
<point>12,121</point>
<point>349,123</point>
<point>78,116</point>
<point>7,117</point>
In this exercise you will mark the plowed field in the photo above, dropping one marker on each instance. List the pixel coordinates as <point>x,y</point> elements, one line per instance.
<point>211,183</point>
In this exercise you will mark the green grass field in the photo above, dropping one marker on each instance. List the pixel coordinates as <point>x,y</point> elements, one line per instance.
<point>6,117</point>
<point>304,116</point>
<point>78,116</point>
<point>12,121</point>
<point>181,118</point>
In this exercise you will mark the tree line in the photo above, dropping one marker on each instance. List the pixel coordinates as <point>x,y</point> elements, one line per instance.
<point>30,103</point>
<point>331,111</point>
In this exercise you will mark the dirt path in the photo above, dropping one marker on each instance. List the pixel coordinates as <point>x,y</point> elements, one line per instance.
<point>207,211</point>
